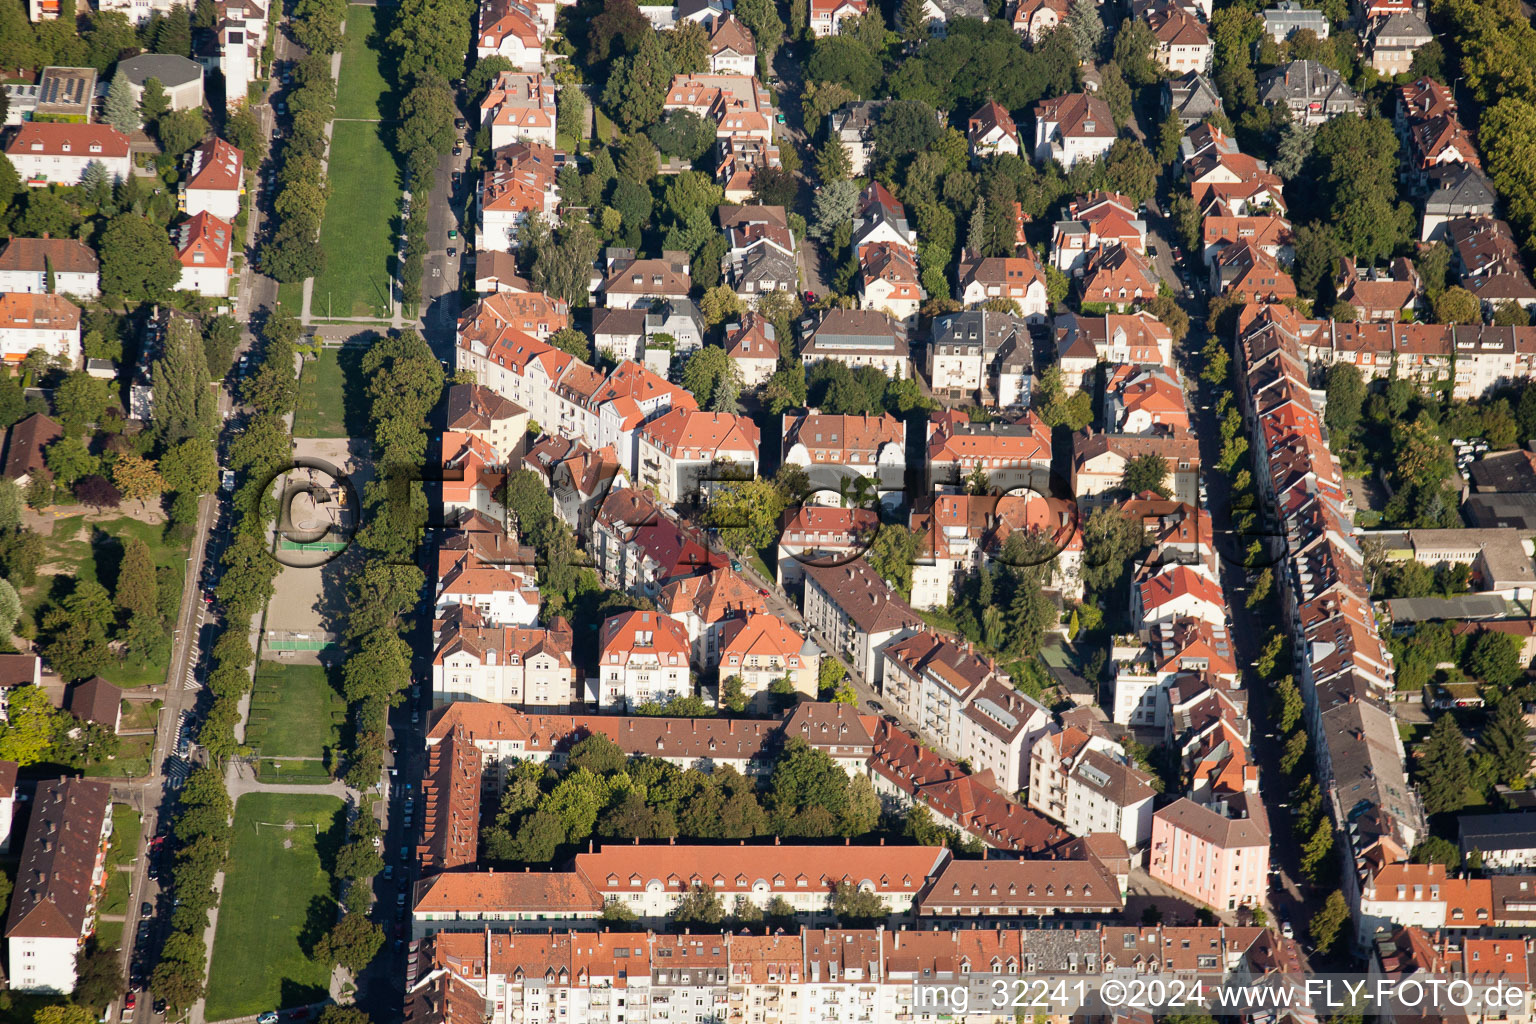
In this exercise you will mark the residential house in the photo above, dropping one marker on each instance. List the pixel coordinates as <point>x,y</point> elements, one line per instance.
<point>1269,232</point>
<point>1011,454</point>
<point>982,354</point>
<point>1094,220</point>
<point>991,132</point>
<point>1192,97</point>
<point>1182,43</point>
<point>1489,262</point>
<point>1504,842</point>
<point>1394,39</point>
<point>61,876</point>
<point>753,347</point>
<point>1085,782</point>
<point>57,153</point>
<point>1287,18</point>
<point>1171,650</point>
<point>637,548</point>
<point>203,247</point>
<point>479,412</point>
<point>961,700</point>
<point>737,159</point>
<point>760,249</point>
<point>1217,854</point>
<point>822,535</point>
<point>1035,19</point>
<point>855,338</point>
<point>857,614</point>
<point>515,665</point>
<point>681,448</point>
<point>1019,278</point>
<point>1099,461</point>
<point>1083,342</point>
<point>642,658</point>
<point>828,16</point>
<point>98,702</point>
<point>732,50</point>
<point>853,126</point>
<point>501,340</point>
<point>510,29</point>
<point>1246,269</point>
<point>520,106</point>
<point>1376,294</point>
<point>637,283</point>
<point>881,218</point>
<point>1314,92</point>
<point>762,649</point>
<point>519,183</point>
<point>27,264</point>
<point>1116,277</point>
<point>1072,128</point>
<point>704,604</point>
<point>496,271</point>
<point>1178,592</point>
<point>578,477</point>
<point>24,447</point>
<point>737,104</point>
<point>888,281</point>
<point>1460,192</point>
<point>971,891</point>
<point>215,180</point>
<point>840,452</point>
<point>958,534</point>
<point>30,320</point>
<point>1145,400</point>
<point>450,805</point>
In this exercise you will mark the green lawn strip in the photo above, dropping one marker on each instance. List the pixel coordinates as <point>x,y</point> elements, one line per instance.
<point>115,900</point>
<point>294,711</point>
<point>360,219</point>
<point>331,401</point>
<point>141,714</point>
<point>131,760</point>
<point>362,92</point>
<point>109,934</point>
<point>297,773</point>
<point>95,555</point>
<point>125,835</point>
<point>277,902</point>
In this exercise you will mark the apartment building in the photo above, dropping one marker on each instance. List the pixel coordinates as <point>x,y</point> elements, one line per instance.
<point>26,263</point>
<point>854,612</point>
<point>504,664</point>
<point>215,180</point>
<point>1082,781</point>
<point>45,152</point>
<point>762,649</point>
<point>643,658</point>
<point>1217,854</point>
<point>60,878</point>
<point>683,450</point>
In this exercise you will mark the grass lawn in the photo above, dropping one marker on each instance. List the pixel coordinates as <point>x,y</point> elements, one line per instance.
<point>331,401</point>
<point>277,902</point>
<point>359,223</point>
<point>362,92</point>
<point>115,900</point>
<point>295,712</point>
<point>294,773</point>
<point>290,297</point>
<point>80,550</point>
<point>126,826</point>
<point>109,934</point>
<point>132,760</point>
<point>141,714</point>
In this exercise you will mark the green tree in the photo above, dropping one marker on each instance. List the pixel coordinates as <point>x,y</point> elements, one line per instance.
<point>637,84</point>
<point>1169,134</point>
<point>855,907</point>
<point>137,259</point>
<point>120,110</point>
<point>154,102</point>
<point>1295,751</point>
<point>1506,743</point>
<point>713,378</point>
<point>1085,28</point>
<point>352,943</point>
<point>1436,850</point>
<point>180,130</point>
<point>892,554</point>
<point>1495,658</point>
<point>746,513</point>
<point>185,407</point>
<point>33,723</point>
<point>81,401</point>
<point>1147,472</point>
<point>1134,43</point>
<point>699,906</point>
<point>136,587</point>
<point>1458,306</point>
<point>1329,921</point>
<point>1345,397</point>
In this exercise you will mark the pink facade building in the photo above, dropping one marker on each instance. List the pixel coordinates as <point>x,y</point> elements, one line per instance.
<point>1217,854</point>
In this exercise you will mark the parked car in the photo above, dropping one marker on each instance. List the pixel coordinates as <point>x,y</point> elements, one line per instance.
<point>268,1017</point>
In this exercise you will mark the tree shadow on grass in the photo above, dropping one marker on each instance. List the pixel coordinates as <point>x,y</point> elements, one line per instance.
<point>319,918</point>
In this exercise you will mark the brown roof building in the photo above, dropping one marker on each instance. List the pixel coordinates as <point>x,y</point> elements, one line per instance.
<point>1017,888</point>
<point>24,448</point>
<point>97,700</point>
<point>450,812</point>
<point>57,882</point>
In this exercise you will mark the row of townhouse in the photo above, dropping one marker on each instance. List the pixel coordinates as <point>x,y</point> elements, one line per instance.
<point>811,976</point>
<point>1343,667</point>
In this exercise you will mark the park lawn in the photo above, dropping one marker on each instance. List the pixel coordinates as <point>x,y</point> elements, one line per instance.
<point>362,93</point>
<point>331,401</point>
<point>131,761</point>
<point>277,888</point>
<point>294,711</point>
<point>96,555</point>
<point>115,900</point>
<point>360,215</point>
<point>126,826</point>
<point>141,714</point>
